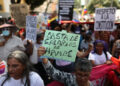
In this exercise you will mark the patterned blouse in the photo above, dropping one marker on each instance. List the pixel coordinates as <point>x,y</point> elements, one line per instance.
<point>68,79</point>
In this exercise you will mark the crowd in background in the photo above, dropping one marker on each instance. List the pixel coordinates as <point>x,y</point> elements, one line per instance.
<point>21,56</point>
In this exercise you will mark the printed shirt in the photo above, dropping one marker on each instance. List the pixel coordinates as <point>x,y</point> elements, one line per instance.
<point>2,67</point>
<point>68,79</point>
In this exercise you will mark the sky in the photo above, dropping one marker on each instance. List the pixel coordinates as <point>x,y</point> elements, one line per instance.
<point>82,2</point>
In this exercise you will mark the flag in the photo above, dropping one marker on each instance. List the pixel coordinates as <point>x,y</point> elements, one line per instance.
<point>84,11</point>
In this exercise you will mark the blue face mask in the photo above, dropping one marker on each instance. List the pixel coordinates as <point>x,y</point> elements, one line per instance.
<point>6,32</point>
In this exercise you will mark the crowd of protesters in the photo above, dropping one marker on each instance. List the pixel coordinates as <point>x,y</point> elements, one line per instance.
<point>21,65</point>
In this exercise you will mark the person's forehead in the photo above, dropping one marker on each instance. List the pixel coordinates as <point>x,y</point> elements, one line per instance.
<point>13,61</point>
<point>99,43</point>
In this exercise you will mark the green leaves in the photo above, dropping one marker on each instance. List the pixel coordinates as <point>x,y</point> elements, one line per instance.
<point>102,3</point>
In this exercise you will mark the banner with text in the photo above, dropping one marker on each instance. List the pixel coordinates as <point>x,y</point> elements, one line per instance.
<point>104,19</point>
<point>65,10</point>
<point>61,45</point>
<point>31,28</point>
<point>19,13</point>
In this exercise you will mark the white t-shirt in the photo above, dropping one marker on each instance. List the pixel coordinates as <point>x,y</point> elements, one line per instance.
<point>35,80</point>
<point>99,59</point>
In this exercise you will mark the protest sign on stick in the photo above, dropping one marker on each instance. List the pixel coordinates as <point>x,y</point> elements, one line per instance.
<point>31,28</point>
<point>19,13</point>
<point>61,45</point>
<point>104,19</point>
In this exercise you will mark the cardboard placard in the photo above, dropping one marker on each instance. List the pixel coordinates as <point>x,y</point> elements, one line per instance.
<point>61,45</point>
<point>104,19</point>
<point>31,28</point>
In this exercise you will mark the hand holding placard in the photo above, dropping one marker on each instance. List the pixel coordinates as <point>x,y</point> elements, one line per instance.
<point>61,45</point>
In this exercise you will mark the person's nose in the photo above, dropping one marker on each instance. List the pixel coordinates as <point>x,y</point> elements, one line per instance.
<point>10,69</point>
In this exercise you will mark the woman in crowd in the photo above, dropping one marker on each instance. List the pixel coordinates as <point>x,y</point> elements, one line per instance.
<point>8,41</point>
<point>80,78</point>
<point>20,72</point>
<point>100,54</point>
<point>116,49</point>
<point>85,42</point>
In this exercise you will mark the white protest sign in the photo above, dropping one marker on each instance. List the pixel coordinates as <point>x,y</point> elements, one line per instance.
<point>104,19</point>
<point>61,45</point>
<point>31,28</point>
<point>19,13</point>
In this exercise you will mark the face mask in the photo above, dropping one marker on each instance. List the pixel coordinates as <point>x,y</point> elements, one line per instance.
<point>6,32</point>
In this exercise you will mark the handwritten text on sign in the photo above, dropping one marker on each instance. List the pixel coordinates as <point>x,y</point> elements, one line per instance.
<point>31,26</point>
<point>61,45</point>
<point>104,19</point>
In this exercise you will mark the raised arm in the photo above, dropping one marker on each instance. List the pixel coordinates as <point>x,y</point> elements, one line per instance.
<point>84,54</point>
<point>54,73</point>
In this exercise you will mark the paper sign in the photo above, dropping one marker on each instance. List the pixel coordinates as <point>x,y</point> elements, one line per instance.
<point>65,10</point>
<point>104,19</point>
<point>31,28</point>
<point>19,13</point>
<point>61,45</point>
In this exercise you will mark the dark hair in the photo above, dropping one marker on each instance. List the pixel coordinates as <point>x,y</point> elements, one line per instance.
<point>38,36</point>
<point>83,64</point>
<point>105,49</point>
<point>23,59</point>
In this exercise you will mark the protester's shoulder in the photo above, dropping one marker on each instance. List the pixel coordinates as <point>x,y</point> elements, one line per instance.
<point>35,78</point>
<point>34,75</point>
<point>15,37</point>
<point>3,77</point>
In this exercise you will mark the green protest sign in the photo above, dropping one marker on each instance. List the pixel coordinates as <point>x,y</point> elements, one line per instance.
<point>61,45</point>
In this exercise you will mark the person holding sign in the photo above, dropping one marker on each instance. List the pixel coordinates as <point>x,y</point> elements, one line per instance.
<point>80,78</point>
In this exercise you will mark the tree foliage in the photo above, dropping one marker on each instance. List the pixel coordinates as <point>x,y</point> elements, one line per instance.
<point>102,3</point>
<point>77,3</point>
<point>34,3</point>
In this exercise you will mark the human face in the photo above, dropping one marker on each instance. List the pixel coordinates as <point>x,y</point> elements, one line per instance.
<point>15,68</point>
<point>82,77</point>
<point>99,48</point>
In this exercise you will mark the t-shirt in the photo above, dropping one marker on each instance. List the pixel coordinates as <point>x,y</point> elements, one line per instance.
<point>99,59</point>
<point>35,80</point>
